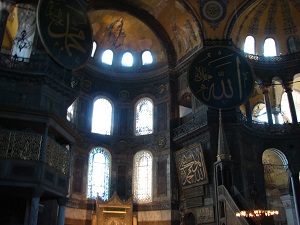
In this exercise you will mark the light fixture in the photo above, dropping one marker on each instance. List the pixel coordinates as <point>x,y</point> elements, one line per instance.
<point>257,214</point>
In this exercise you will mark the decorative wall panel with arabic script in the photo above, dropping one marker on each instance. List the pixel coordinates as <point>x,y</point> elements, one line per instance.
<point>191,166</point>
<point>221,78</point>
<point>65,31</point>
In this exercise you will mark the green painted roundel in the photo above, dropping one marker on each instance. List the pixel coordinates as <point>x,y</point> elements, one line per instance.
<point>220,78</point>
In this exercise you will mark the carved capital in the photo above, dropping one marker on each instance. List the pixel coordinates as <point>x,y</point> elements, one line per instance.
<point>265,87</point>
<point>288,86</point>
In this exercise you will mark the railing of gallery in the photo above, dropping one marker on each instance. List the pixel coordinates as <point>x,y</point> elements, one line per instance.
<point>199,121</point>
<point>30,146</point>
<point>40,64</point>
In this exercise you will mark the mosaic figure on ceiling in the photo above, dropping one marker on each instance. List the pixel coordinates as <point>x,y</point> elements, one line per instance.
<point>114,34</point>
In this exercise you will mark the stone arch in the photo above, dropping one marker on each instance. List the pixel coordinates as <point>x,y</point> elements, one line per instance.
<point>277,185</point>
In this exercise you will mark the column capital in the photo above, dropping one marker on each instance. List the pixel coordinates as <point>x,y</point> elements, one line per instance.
<point>264,87</point>
<point>62,201</point>
<point>288,86</point>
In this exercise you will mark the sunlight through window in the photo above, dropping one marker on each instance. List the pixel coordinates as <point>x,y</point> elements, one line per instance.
<point>127,59</point>
<point>269,47</point>
<point>249,45</point>
<point>107,57</point>
<point>142,177</point>
<point>94,49</point>
<point>102,117</point>
<point>144,117</point>
<point>147,58</point>
<point>99,173</point>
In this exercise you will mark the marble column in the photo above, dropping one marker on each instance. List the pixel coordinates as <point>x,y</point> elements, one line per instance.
<point>61,210</point>
<point>294,176</point>
<point>265,90</point>
<point>289,206</point>
<point>288,87</point>
<point>34,207</point>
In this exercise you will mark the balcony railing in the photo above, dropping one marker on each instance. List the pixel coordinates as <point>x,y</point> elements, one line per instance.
<point>200,121</point>
<point>40,64</point>
<point>29,146</point>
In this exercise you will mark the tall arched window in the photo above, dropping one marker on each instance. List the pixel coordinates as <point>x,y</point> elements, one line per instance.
<point>99,173</point>
<point>285,107</point>
<point>94,49</point>
<point>144,117</point>
<point>147,58</point>
<point>270,47</point>
<point>102,116</point>
<point>249,46</point>
<point>127,59</point>
<point>142,176</point>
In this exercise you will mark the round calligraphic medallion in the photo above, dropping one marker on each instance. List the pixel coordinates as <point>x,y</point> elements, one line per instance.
<point>65,31</point>
<point>221,78</point>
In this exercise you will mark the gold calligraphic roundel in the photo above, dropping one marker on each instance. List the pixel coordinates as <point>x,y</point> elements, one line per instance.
<point>221,78</point>
<point>65,31</point>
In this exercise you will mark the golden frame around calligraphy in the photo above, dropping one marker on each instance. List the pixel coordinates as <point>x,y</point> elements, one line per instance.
<point>191,166</point>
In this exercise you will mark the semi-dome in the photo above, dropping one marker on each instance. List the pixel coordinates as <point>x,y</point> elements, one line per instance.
<point>265,19</point>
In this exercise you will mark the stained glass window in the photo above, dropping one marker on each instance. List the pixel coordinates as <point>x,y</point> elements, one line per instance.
<point>142,177</point>
<point>99,173</point>
<point>144,117</point>
<point>102,117</point>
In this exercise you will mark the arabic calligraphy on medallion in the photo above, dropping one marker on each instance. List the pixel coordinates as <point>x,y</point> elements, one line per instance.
<point>191,166</point>
<point>65,31</point>
<point>221,78</point>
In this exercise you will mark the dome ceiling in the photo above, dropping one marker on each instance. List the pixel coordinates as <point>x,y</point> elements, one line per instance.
<point>174,30</point>
<point>278,19</point>
<point>120,32</point>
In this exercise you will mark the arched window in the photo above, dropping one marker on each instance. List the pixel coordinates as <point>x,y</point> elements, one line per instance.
<point>144,117</point>
<point>142,176</point>
<point>94,49</point>
<point>285,107</point>
<point>102,116</point>
<point>147,58</point>
<point>127,59</point>
<point>107,57</point>
<point>99,173</point>
<point>249,46</point>
<point>270,47</point>
<point>259,113</point>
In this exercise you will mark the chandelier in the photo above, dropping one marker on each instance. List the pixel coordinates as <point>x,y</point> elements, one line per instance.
<point>257,214</point>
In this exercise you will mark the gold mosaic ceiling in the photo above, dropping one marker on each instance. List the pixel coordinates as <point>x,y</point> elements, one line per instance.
<point>173,29</point>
